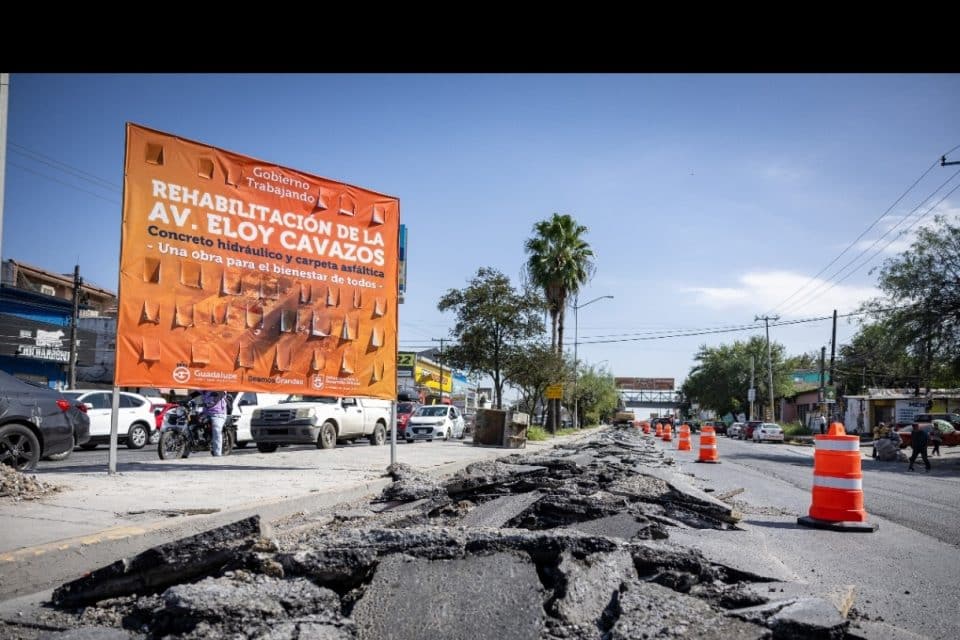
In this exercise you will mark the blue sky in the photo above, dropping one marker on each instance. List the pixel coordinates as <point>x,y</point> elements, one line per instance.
<point>709,198</point>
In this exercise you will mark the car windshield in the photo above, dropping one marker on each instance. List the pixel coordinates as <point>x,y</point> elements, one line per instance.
<point>431,411</point>
<point>297,397</point>
<point>768,427</point>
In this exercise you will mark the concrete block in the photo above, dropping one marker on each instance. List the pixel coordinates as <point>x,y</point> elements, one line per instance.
<point>168,564</point>
<point>496,597</point>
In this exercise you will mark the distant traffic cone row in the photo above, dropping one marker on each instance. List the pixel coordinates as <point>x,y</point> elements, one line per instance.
<point>837,484</point>
<point>683,441</point>
<point>708,445</point>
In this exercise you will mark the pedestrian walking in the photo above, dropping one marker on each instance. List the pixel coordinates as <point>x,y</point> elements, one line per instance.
<point>823,425</point>
<point>918,441</point>
<point>935,439</point>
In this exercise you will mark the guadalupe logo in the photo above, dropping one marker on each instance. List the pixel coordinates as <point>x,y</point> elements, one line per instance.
<point>181,375</point>
<point>317,382</point>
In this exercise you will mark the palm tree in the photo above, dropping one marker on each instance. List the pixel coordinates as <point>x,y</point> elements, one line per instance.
<point>560,261</point>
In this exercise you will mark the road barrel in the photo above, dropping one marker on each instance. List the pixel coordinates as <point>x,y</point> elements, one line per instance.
<point>708,445</point>
<point>683,441</point>
<point>837,501</point>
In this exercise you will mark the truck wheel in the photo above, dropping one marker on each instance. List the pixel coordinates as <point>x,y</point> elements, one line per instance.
<point>379,435</point>
<point>267,447</point>
<point>328,436</point>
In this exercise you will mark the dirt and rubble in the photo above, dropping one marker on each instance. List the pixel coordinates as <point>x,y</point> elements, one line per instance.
<point>573,543</point>
<point>16,486</point>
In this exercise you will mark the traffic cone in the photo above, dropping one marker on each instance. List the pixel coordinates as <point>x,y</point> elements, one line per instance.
<point>837,484</point>
<point>646,427</point>
<point>708,446</point>
<point>683,442</point>
<point>667,433</point>
<point>659,432</point>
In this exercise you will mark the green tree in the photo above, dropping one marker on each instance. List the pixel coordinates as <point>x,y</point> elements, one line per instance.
<point>531,368</point>
<point>721,377</point>
<point>559,262</point>
<point>597,395</point>
<point>876,356</point>
<point>921,300</point>
<point>493,321</point>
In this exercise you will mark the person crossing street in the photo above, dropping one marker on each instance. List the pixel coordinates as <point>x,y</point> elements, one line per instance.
<point>918,441</point>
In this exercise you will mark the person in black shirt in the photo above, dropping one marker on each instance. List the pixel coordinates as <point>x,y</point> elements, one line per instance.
<point>918,441</point>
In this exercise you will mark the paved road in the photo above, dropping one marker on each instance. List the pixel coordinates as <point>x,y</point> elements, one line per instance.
<point>924,502</point>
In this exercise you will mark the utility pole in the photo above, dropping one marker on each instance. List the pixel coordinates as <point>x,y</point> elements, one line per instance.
<point>440,362</point>
<point>833,349</point>
<point>752,393</point>
<point>72,367</point>
<point>766,321</point>
<point>823,391</point>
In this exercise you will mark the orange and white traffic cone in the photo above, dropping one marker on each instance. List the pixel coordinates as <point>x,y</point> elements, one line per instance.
<point>659,432</point>
<point>708,446</point>
<point>683,441</point>
<point>837,484</point>
<point>667,433</point>
<point>646,427</point>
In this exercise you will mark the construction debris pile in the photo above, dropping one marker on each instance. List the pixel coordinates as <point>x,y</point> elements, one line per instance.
<point>20,486</point>
<point>571,544</point>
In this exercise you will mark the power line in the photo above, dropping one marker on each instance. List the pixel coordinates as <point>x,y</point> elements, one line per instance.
<point>883,248</point>
<point>72,186</point>
<point>865,231</point>
<point>36,156</point>
<point>745,328</point>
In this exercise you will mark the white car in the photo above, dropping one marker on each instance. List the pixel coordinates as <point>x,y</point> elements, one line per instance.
<point>733,431</point>
<point>136,422</point>
<point>243,407</point>
<point>439,421</point>
<point>769,432</point>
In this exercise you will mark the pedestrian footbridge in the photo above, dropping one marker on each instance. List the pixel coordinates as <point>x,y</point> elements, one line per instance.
<point>632,398</point>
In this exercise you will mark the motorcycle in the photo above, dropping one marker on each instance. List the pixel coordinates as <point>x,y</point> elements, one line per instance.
<point>187,428</point>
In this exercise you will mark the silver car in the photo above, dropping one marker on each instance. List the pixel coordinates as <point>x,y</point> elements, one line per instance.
<point>733,431</point>
<point>438,421</point>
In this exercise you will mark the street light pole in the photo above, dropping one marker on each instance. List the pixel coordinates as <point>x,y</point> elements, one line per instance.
<point>576,363</point>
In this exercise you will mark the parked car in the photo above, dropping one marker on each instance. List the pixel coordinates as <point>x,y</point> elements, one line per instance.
<point>320,420</point>
<point>948,439</point>
<point>952,418</point>
<point>719,426</point>
<point>733,431</point>
<point>768,432</point>
<point>136,419</point>
<point>404,411</point>
<point>746,432</point>
<point>244,406</point>
<point>439,421</point>
<point>37,422</point>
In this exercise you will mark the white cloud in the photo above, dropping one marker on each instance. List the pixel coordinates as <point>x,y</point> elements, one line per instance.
<point>759,291</point>
<point>899,232</point>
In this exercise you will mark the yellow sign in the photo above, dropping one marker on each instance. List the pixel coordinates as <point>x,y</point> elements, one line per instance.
<point>406,359</point>
<point>554,391</point>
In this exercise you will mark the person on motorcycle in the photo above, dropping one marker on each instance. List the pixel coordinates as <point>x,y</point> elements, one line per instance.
<point>215,406</point>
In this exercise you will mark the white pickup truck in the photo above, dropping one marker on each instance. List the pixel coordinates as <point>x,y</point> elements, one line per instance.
<point>320,420</point>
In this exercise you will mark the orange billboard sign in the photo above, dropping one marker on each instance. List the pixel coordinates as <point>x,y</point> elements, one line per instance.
<point>240,274</point>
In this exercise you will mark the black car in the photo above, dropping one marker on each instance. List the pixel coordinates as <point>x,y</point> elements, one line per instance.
<point>37,422</point>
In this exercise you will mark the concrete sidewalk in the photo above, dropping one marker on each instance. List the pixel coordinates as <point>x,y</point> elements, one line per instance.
<point>155,500</point>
